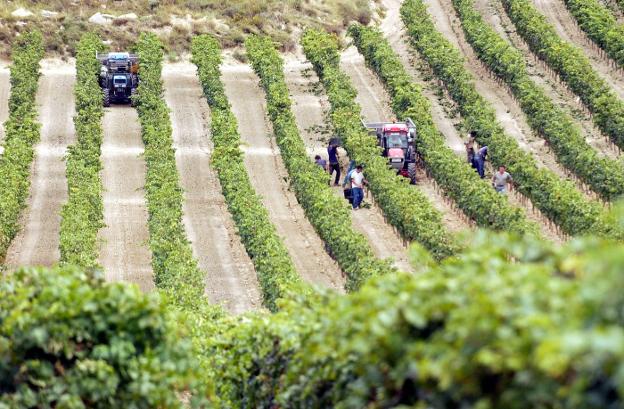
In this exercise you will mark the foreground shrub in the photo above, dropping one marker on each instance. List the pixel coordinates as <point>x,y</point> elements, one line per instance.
<point>476,331</point>
<point>68,340</point>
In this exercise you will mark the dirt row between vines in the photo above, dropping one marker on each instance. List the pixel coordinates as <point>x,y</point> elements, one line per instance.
<point>37,242</point>
<point>493,12</point>
<point>270,179</point>
<point>310,107</point>
<point>124,251</point>
<point>558,15</point>
<point>442,108</point>
<point>230,276</point>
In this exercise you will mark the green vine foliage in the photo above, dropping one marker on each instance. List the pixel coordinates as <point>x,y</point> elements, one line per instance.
<point>604,176</point>
<point>176,271</point>
<point>69,340</point>
<point>558,199</point>
<point>328,213</point>
<point>406,208</point>
<point>572,66</point>
<point>276,271</point>
<point>475,331</point>
<point>21,134</point>
<point>473,195</point>
<point>601,26</point>
<point>82,215</point>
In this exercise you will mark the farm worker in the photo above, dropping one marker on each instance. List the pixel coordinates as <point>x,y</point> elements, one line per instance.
<point>500,180</point>
<point>357,186</point>
<point>321,162</point>
<point>334,165</point>
<point>480,161</point>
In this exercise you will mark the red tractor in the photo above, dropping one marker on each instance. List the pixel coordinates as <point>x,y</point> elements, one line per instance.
<point>397,142</point>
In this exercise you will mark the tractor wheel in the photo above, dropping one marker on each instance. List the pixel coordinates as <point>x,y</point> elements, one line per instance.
<point>133,101</point>
<point>411,172</point>
<point>106,98</point>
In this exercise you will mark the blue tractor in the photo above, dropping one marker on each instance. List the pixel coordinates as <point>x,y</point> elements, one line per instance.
<point>119,77</point>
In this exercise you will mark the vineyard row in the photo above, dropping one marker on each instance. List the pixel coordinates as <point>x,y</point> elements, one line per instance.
<point>559,200</point>
<point>604,176</point>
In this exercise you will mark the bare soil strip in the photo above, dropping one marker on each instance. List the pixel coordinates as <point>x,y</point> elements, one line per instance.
<point>443,108</point>
<point>5,89</point>
<point>565,25</point>
<point>270,179</point>
<point>124,251</point>
<point>37,243</point>
<point>375,103</point>
<point>493,12</point>
<point>230,277</point>
<point>310,110</point>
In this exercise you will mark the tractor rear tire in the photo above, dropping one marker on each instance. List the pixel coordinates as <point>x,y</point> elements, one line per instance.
<point>411,172</point>
<point>106,98</point>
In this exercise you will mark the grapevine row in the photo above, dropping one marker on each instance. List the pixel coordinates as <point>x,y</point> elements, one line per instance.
<point>604,176</point>
<point>558,199</point>
<point>82,215</point>
<point>473,195</point>
<point>327,212</point>
<point>21,134</point>
<point>275,269</point>
<point>404,206</point>
<point>176,271</point>
<point>572,66</point>
<point>600,25</point>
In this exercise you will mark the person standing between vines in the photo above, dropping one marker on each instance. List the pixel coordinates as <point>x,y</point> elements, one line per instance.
<point>357,186</point>
<point>334,164</point>
<point>501,179</point>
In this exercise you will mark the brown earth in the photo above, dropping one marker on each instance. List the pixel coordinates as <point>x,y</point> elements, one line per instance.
<point>565,25</point>
<point>375,103</point>
<point>230,276</point>
<point>270,179</point>
<point>5,89</point>
<point>37,243</point>
<point>493,12</point>
<point>124,251</point>
<point>310,109</point>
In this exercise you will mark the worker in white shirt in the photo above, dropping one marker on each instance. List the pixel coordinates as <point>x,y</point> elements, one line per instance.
<point>357,186</point>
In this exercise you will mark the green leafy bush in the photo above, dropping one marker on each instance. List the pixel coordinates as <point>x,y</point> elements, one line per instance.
<point>82,215</point>
<point>476,331</point>
<point>558,199</point>
<point>68,340</point>
<point>176,271</point>
<point>276,271</point>
<point>327,212</point>
<point>21,134</point>
<point>406,208</point>
<point>601,26</point>
<point>572,66</point>
<point>604,176</point>
<point>474,196</point>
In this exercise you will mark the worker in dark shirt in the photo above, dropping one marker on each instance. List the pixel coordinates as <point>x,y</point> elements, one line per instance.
<point>334,165</point>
